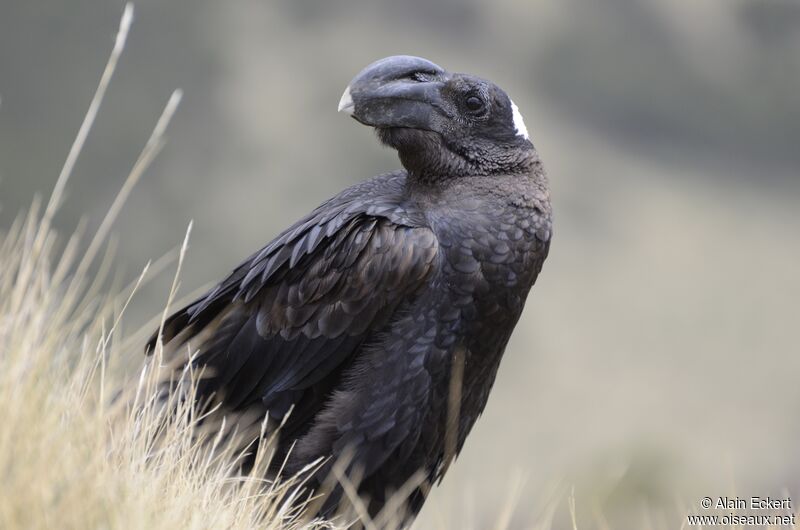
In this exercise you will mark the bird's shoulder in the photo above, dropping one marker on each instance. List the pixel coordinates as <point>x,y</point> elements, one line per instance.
<point>369,220</point>
<point>385,195</point>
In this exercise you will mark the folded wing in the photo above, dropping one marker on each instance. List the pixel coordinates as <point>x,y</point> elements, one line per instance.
<point>281,327</point>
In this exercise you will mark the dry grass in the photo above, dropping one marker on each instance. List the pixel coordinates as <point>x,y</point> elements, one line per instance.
<point>87,444</point>
<point>82,445</point>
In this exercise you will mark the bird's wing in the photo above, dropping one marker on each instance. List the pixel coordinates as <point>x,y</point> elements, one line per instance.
<point>293,313</point>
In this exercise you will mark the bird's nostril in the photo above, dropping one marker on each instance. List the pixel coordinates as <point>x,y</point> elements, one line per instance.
<point>422,76</point>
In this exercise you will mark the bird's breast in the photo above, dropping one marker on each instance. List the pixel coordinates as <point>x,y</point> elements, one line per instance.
<point>490,257</point>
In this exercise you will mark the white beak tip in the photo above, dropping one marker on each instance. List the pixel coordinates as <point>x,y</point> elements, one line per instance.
<point>346,103</point>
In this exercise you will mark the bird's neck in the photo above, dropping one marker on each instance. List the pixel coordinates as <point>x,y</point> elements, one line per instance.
<point>429,167</point>
<point>428,157</point>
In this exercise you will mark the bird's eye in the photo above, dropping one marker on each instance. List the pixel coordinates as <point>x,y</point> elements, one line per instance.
<point>474,104</point>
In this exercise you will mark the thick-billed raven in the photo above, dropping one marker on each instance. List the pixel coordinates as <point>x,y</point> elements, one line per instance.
<point>379,319</point>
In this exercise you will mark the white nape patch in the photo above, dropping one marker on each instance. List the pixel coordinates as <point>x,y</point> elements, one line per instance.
<point>519,123</point>
<point>346,103</point>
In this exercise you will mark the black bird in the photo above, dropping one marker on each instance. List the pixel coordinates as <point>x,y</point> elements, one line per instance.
<point>380,318</point>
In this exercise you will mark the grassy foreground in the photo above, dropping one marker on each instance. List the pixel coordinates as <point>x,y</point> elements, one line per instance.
<point>83,446</point>
<point>83,442</point>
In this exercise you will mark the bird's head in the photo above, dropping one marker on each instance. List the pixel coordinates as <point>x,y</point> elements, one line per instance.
<point>442,124</point>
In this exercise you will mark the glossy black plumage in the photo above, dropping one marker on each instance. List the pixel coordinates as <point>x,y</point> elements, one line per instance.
<point>358,315</point>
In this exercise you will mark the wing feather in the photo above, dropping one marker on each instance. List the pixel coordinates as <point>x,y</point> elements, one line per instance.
<point>291,315</point>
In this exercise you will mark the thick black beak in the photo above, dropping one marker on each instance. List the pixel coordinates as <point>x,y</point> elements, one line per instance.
<point>398,91</point>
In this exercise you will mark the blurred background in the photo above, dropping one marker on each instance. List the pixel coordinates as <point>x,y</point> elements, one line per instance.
<point>657,360</point>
